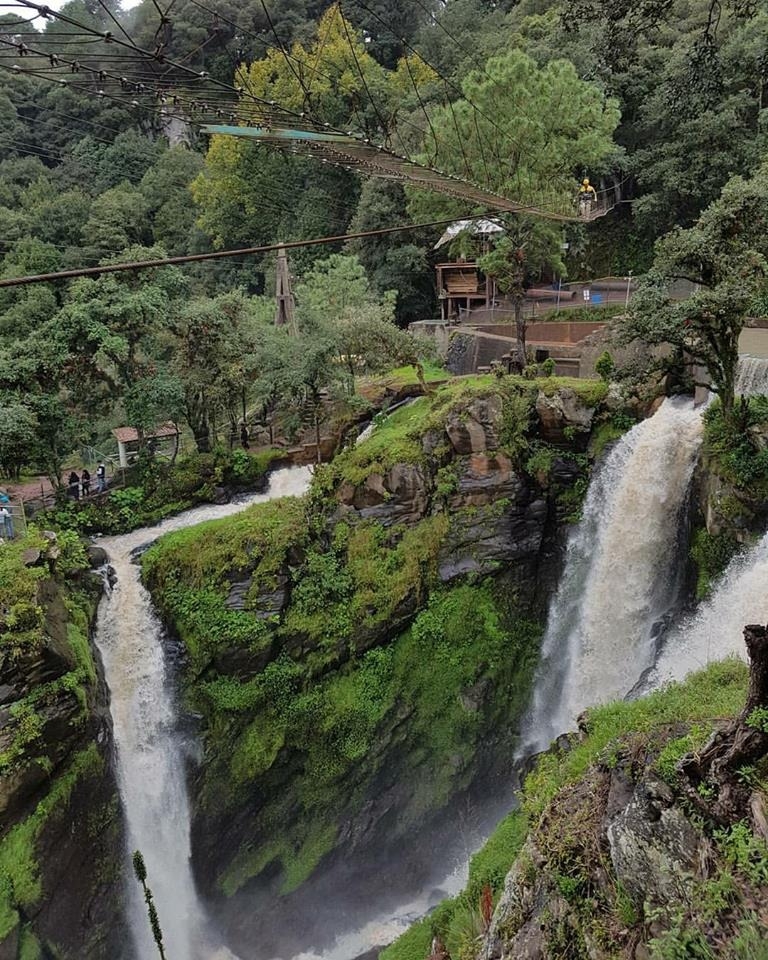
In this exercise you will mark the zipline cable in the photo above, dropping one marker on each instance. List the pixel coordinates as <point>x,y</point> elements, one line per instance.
<point>222,254</point>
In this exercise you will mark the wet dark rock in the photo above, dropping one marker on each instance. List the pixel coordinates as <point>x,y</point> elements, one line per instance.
<point>221,495</point>
<point>97,556</point>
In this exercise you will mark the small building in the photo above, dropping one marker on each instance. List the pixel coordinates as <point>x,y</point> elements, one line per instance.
<point>462,287</point>
<point>165,440</point>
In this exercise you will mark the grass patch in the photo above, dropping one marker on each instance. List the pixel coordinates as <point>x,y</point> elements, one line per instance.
<point>714,692</point>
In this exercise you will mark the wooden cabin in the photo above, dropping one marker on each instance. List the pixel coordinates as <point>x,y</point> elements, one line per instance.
<point>462,287</point>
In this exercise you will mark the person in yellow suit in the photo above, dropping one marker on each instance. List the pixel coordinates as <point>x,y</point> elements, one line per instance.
<point>587,196</point>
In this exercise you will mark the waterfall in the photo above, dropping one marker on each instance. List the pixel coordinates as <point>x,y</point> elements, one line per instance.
<point>752,376</point>
<point>715,630</point>
<point>150,765</point>
<point>619,578</point>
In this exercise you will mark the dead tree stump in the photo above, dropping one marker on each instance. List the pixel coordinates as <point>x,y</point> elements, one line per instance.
<point>732,747</point>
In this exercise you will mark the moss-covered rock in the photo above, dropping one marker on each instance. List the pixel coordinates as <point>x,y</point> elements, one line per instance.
<point>359,658</point>
<point>606,858</point>
<point>60,833</point>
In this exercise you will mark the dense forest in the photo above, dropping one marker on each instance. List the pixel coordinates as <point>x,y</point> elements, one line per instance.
<point>663,101</point>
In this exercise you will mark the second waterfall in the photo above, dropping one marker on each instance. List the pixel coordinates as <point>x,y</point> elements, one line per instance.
<point>619,579</point>
<point>150,762</point>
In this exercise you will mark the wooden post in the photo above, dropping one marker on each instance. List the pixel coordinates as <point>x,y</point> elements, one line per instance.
<point>285,315</point>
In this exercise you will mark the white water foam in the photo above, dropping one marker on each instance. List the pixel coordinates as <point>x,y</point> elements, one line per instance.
<point>716,629</point>
<point>150,765</point>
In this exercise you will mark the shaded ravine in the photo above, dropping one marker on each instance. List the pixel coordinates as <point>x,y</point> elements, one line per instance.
<point>620,576</point>
<point>150,760</point>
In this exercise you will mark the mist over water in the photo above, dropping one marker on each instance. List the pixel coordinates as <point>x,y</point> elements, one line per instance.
<point>619,577</point>
<point>150,766</point>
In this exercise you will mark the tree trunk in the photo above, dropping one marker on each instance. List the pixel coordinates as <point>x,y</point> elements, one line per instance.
<point>734,746</point>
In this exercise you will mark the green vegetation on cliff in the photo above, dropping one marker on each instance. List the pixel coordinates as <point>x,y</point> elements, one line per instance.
<point>655,730</point>
<point>367,647</point>
<point>409,716</point>
<point>34,607</point>
<point>20,883</point>
<point>416,707</point>
<point>399,438</point>
<point>49,748</point>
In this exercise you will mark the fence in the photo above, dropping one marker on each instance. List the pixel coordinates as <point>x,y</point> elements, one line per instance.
<point>581,295</point>
<point>16,526</point>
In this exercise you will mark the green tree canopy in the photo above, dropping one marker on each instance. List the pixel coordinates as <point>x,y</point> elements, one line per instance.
<point>726,256</point>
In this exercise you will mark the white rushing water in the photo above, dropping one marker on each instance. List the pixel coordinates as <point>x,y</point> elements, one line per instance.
<point>150,763</point>
<point>752,376</point>
<point>715,630</point>
<point>619,577</point>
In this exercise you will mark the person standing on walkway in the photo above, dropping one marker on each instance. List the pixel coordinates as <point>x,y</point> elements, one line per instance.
<point>85,479</point>
<point>101,478</point>
<point>74,485</point>
<point>7,522</point>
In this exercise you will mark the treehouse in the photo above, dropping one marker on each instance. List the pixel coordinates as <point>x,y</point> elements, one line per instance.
<point>462,287</point>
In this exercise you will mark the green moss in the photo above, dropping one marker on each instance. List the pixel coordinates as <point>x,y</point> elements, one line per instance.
<point>20,886</point>
<point>591,392</point>
<point>190,572</point>
<point>711,553</point>
<point>333,732</point>
<point>29,946</point>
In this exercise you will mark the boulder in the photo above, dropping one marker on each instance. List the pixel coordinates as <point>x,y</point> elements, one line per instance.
<point>97,556</point>
<point>476,427</point>
<point>563,410</point>
<point>656,852</point>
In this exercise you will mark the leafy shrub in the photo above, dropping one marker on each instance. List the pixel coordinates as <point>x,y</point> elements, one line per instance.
<point>711,553</point>
<point>604,366</point>
<point>731,450</point>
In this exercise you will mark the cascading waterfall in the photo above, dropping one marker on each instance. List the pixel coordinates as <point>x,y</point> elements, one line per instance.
<point>752,376</point>
<point>619,577</point>
<point>150,764</point>
<point>715,629</point>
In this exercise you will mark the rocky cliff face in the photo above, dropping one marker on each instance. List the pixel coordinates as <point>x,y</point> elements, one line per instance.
<point>61,833</point>
<point>634,858</point>
<point>364,656</point>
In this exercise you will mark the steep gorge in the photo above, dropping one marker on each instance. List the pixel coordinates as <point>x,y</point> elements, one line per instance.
<point>389,629</point>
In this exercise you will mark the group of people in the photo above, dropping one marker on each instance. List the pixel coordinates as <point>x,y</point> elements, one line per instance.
<point>76,485</point>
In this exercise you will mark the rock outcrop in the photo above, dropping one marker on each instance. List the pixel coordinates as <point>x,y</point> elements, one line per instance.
<point>60,825</point>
